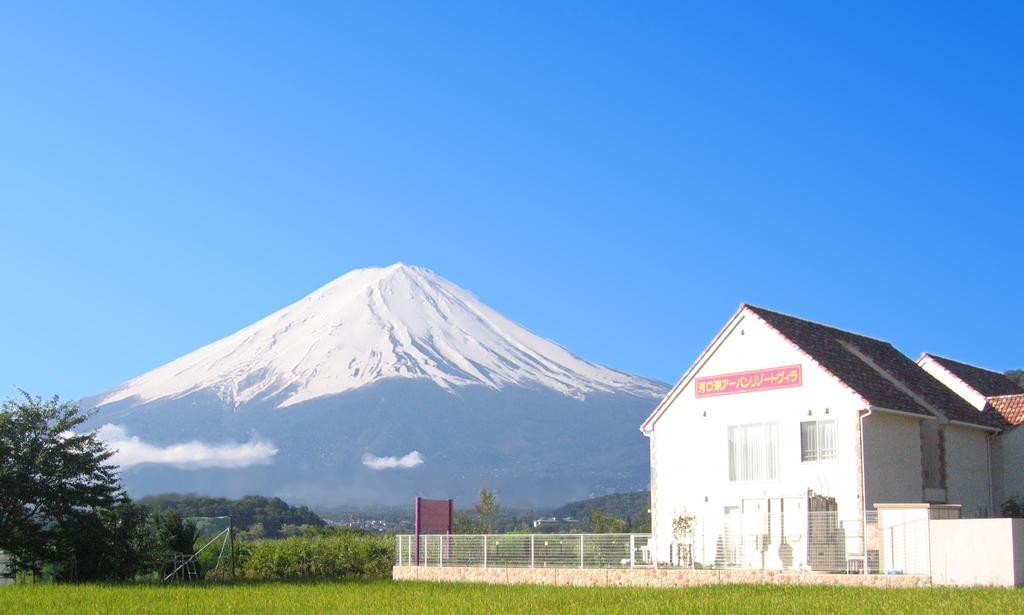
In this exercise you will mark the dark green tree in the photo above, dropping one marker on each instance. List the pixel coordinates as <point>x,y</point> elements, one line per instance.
<point>487,511</point>
<point>104,544</point>
<point>272,513</point>
<point>641,524</point>
<point>603,523</point>
<point>464,524</point>
<point>175,534</point>
<point>1012,508</point>
<point>1017,375</point>
<point>50,474</point>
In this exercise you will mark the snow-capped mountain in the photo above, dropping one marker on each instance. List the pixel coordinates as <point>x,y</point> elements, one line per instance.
<point>371,324</point>
<point>384,384</point>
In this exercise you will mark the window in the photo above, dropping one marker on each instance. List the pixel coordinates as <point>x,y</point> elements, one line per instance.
<point>753,452</point>
<point>818,440</point>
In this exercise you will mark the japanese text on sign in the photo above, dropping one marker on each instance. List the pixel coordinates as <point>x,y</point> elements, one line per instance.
<point>747,382</point>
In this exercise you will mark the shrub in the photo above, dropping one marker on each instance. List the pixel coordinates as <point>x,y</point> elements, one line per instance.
<point>312,556</point>
<point>1013,508</point>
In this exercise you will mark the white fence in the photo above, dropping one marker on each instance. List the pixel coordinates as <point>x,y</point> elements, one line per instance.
<point>527,550</point>
<point>812,542</point>
<point>805,541</point>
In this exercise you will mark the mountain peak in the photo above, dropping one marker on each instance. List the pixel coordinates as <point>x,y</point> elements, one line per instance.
<point>399,321</point>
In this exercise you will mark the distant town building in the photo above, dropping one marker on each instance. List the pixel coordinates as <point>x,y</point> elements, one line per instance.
<point>6,570</point>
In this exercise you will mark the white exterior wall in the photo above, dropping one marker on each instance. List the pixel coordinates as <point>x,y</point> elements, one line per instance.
<point>967,470</point>
<point>892,459</point>
<point>1008,466</point>
<point>689,444</point>
<point>977,552</point>
<point>958,386</point>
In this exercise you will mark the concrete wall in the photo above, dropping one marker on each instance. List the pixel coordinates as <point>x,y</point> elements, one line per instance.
<point>689,444</point>
<point>892,459</point>
<point>644,577</point>
<point>977,552</point>
<point>1008,466</point>
<point>968,481</point>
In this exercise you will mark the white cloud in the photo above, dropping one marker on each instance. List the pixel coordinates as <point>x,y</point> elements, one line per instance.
<point>410,460</point>
<point>132,451</point>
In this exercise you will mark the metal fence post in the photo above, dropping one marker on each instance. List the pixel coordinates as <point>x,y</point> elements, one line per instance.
<point>531,550</point>
<point>440,551</point>
<point>581,550</point>
<point>485,550</point>
<point>632,551</point>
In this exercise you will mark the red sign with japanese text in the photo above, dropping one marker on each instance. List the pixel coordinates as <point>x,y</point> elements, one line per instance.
<point>747,382</point>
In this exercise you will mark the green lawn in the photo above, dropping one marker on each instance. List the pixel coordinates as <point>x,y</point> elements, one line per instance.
<point>391,597</point>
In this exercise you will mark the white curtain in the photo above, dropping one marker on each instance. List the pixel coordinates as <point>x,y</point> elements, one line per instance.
<point>817,440</point>
<point>809,441</point>
<point>753,452</point>
<point>827,437</point>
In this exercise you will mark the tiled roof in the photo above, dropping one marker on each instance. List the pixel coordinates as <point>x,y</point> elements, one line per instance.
<point>985,381</point>
<point>1011,407</point>
<point>879,373</point>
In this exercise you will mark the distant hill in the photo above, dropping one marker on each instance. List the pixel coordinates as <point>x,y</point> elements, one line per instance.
<point>620,505</point>
<point>272,513</point>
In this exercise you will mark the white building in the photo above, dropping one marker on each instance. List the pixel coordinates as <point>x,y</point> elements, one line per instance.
<point>781,417</point>
<point>990,391</point>
<point>6,574</point>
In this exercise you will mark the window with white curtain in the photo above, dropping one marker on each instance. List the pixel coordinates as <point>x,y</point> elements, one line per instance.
<point>753,452</point>
<point>818,440</point>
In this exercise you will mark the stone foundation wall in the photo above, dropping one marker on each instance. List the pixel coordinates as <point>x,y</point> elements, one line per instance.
<point>645,577</point>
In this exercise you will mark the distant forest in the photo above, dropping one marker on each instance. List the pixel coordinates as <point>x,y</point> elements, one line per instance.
<point>254,516</point>
<point>620,505</point>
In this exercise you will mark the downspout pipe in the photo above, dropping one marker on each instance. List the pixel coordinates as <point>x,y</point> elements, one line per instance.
<point>991,495</point>
<point>863,464</point>
<point>863,488</point>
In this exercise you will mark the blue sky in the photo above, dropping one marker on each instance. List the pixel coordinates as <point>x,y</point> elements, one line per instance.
<point>616,178</point>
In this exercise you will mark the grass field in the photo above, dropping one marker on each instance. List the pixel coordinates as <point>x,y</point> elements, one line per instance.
<point>391,597</point>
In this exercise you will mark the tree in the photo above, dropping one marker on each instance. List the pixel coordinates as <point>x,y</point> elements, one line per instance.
<point>1013,508</point>
<point>273,513</point>
<point>49,476</point>
<point>683,526</point>
<point>641,523</point>
<point>256,531</point>
<point>1017,375</point>
<point>175,534</point>
<point>464,524</point>
<point>104,544</point>
<point>487,511</point>
<point>603,523</point>
<point>290,529</point>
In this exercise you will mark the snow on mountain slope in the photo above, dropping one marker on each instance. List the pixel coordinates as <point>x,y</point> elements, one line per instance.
<point>392,322</point>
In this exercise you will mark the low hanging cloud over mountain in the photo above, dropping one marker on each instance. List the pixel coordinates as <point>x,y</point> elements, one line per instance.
<point>132,451</point>
<point>410,460</point>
